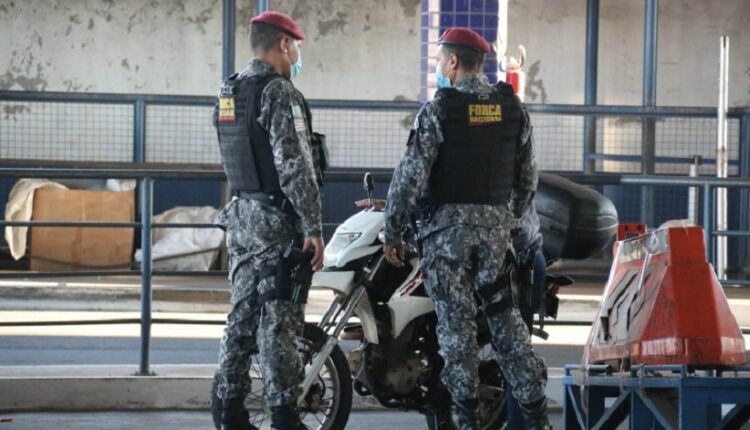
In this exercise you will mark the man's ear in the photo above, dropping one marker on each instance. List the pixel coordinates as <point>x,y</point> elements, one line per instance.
<point>453,61</point>
<point>284,44</point>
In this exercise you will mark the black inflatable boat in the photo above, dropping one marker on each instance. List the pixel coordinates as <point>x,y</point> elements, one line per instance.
<point>576,221</point>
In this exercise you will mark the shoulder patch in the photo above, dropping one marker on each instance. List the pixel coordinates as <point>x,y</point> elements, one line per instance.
<point>226,109</point>
<point>298,116</point>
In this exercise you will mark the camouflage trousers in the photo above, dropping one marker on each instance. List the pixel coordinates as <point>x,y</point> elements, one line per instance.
<point>456,261</point>
<point>256,236</point>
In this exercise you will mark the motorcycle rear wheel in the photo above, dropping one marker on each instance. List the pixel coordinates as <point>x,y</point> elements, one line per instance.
<point>327,404</point>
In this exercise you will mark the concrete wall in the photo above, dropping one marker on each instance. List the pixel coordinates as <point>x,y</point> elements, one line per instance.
<point>554,34</point>
<point>364,49</point>
<point>155,46</point>
<point>355,49</point>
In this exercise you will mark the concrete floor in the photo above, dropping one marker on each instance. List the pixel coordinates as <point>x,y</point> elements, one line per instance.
<point>176,420</point>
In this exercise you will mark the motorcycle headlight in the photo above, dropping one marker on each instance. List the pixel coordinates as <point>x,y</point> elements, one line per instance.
<point>341,241</point>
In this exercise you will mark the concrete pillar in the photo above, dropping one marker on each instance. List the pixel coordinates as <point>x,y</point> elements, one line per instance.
<point>438,15</point>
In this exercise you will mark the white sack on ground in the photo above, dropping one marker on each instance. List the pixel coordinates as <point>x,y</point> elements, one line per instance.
<point>171,244</point>
<point>19,207</point>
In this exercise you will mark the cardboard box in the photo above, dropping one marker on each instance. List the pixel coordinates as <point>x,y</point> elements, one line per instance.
<point>77,248</point>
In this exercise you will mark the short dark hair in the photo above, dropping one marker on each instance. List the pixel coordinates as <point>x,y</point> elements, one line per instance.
<point>263,37</point>
<point>468,59</point>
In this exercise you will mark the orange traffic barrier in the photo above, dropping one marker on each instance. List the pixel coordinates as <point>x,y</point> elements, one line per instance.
<point>625,231</point>
<point>664,305</point>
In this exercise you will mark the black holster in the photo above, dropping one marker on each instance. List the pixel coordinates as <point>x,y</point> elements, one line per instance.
<point>498,297</point>
<point>293,276</point>
<point>525,281</point>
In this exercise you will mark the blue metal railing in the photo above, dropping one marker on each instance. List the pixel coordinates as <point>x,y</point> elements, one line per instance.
<point>146,174</point>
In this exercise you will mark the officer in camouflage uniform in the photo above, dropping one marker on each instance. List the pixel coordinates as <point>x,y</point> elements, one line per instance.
<point>531,271</point>
<point>470,154</point>
<point>265,135</point>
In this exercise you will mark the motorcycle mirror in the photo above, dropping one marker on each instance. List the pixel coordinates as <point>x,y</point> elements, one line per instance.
<point>369,186</point>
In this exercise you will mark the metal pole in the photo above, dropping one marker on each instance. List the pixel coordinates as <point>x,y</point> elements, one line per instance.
<point>722,159</point>
<point>708,222</point>
<point>228,33</point>
<point>261,6</point>
<point>147,195</point>
<point>502,37</point>
<point>591,83</point>
<point>139,131</point>
<point>693,206</point>
<point>744,224</point>
<point>648,145</point>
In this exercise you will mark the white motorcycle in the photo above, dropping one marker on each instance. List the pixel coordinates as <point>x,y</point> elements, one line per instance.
<point>386,310</point>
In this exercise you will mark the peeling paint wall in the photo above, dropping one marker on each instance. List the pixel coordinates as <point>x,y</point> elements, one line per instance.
<point>363,49</point>
<point>355,49</point>
<point>554,33</point>
<point>154,46</point>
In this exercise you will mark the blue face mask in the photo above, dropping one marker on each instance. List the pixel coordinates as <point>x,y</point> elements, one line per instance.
<point>297,66</point>
<point>442,81</point>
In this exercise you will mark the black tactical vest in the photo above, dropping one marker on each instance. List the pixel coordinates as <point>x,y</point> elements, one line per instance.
<point>245,146</point>
<point>476,161</point>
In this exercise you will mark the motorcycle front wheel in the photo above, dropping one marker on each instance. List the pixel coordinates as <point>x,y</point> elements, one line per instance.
<point>327,404</point>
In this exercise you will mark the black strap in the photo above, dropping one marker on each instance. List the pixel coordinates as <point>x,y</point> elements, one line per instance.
<point>498,307</point>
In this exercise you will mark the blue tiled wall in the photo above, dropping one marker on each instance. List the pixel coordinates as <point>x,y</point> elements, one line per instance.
<point>438,15</point>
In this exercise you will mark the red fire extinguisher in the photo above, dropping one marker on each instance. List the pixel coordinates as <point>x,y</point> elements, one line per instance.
<point>514,76</point>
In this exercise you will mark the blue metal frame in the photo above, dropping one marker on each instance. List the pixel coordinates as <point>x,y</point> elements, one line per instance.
<point>648,137</point>
<point>640,395</point>
<point>591,84</point>
<point>744,172</point>
<point>228,35</point>
<point>708,220</point>
<point>664,160</point>
<point>552,109</point>
<point>147,199</point>
<point>139,132</point>
<point>146,176</point>
<point>261,6</point>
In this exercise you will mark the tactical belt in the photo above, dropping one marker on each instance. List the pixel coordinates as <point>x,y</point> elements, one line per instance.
<point>276,199</point>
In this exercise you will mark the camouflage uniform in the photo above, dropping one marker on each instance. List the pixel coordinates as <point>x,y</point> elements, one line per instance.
<point>256,236</point>
<point>463,248</point>
<point>528,238</point>
<point>527,244</point>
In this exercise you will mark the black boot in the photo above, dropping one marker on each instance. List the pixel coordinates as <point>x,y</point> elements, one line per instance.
<point>286,417</point>
<point>234,416</point>
<point>440,420</point>
<point>467,414</point>
<point>441,417</point>
<point>535,415</point>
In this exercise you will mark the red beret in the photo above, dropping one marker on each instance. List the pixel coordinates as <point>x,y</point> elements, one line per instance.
<point>284,22</point>
<point>465,37</point>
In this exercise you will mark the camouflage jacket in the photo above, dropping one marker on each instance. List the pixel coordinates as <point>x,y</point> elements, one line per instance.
<point>413,171</point>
